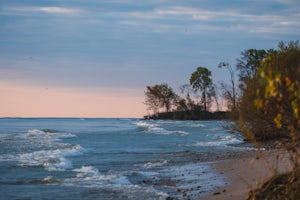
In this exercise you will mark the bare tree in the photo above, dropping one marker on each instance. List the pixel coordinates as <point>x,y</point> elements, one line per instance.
<point>229,92</point>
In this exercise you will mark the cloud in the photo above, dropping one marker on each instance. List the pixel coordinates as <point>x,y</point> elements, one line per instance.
<point>197,19</point>
<point>168,12</point>
<point>165,17</point>
<point>45,9</point>
<point>59,10</point>
<point>121,31</point>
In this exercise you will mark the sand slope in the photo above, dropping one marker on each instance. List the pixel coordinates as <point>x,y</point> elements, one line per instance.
<point>248,171</point>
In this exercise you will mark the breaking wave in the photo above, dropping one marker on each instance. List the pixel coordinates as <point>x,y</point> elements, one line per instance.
<point>41,148</point>
<point>156,129</point>
<point>52,160</point>
<point>220,140</point>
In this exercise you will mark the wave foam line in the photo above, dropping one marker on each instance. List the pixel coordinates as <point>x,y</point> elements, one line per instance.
<point>155,129</point>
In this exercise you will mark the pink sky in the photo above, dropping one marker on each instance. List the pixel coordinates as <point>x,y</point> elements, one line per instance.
<point>28,101</point>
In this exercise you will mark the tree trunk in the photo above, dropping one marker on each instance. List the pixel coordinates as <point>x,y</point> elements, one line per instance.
<point>233,94</point>
<point>204,98</point>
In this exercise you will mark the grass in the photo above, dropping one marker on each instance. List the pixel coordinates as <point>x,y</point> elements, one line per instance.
<point>282,186</point>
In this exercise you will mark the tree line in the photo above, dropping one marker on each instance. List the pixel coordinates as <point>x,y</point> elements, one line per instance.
<point>198,95</point>
<point>162,96</point>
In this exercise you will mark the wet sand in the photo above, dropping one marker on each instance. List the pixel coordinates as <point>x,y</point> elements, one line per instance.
<point>247,171</point>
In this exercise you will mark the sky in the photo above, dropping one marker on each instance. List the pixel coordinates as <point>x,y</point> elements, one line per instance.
<point>94,58</point>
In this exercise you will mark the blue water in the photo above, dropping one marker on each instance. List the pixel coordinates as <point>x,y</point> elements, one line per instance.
<point>110,158</point>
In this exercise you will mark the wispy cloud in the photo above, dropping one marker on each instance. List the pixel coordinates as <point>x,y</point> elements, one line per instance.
<point>226,20</point>
<point>59,10</point>
<point>50,10</point>
<point>165,17</point>
<point>133,33</point>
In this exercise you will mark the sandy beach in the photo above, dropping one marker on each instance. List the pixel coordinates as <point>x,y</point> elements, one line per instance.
<point>247,171</point>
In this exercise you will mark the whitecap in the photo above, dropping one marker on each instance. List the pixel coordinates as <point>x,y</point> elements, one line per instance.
<point>46,133</point>
<point>230,139</point>
<point>155,129</point>
<point>219,140</point>
<point>89,176</point>
<point>52,160</point>
<point>144,125</point>
<point>197,125</point>
<point>216,129</point>
<point>155,164</point>
<point>50,180</point>
<point>86,170</point>
<point>162,131</point>
<point>209,144</point>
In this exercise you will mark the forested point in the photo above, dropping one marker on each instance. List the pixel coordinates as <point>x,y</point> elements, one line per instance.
<point>189,115</point>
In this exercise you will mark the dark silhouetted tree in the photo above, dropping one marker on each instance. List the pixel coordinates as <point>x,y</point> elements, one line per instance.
<point>201,81</point>
<point>160,96</point>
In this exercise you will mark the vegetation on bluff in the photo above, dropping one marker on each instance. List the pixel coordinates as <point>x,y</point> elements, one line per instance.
<point>276,99</point>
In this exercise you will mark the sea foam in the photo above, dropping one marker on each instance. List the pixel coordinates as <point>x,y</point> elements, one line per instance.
<point>156,129</point>
<point>43,148</point>
<point>219,140</point>
<point>52,160</point>
<point>89,176</point>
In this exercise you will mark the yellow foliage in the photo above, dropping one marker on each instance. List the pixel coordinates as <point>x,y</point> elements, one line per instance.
<point>277,120</point>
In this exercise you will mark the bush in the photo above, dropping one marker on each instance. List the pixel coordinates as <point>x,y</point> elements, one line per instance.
<point>275,91</point>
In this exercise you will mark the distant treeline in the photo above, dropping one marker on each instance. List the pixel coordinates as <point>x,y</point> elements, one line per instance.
<point>189,115</point>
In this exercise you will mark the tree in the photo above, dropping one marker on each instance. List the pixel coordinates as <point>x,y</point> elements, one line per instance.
<point>249,63</point>
<point>215,95</point>
<point>230,96</point>
<point>152,99</point>
<point>160,96</point>
<point>187,103</point>
<point>201,81</point>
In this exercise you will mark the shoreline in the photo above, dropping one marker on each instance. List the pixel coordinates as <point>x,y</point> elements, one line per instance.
<point>247,171</point>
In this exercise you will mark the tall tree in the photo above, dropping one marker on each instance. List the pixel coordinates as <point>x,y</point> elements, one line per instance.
<point>160,96</point>
<point>201,81</point>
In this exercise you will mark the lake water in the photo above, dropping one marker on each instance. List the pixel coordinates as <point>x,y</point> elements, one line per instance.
<point>43,158</point>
